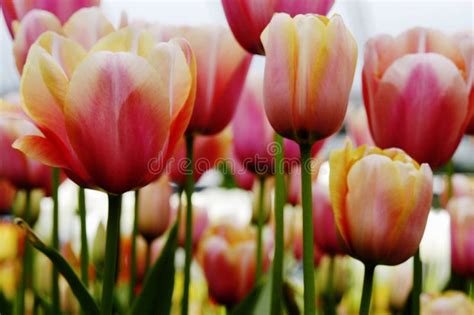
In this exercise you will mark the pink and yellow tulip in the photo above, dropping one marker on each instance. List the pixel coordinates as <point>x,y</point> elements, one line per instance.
<point>248,18</point>
<point>384,226</point>
<point>416,90</point>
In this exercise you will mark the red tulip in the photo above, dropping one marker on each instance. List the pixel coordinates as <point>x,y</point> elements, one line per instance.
<point>248,18</point>
<point>310,65</point>
<point>325,232</point>
<point>227,256</point>
<point>358,127</point>
<point>107,117</point>
<point>15,10</point>
<point>462,235</point>
<point>416,91</point>
<point>208,151</point>
<point>154,209</point>
<point>7,196</point>
<point>222,67</point>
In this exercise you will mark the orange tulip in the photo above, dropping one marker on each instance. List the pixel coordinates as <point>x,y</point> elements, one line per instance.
<point>248,18</point>
<point>108,116</point>
<point>384,226</point>
<point>416,91</point>
<point>310,65</point>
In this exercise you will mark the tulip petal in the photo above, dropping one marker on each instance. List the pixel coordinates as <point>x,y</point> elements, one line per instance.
<point>127,39</point>
<point>117,118</point>
<point>39,148</point>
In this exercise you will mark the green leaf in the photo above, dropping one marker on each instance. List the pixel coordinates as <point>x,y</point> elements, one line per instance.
<point>157,291</point>
<point>85,299</point>
<point>258,300</point>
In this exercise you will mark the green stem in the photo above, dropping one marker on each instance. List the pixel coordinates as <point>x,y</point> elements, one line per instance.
<point>417,284</point>
<point>26,270</point>
<point>133,259</point>
<point>260,223</point>
<point>367,290</point>
<point>280,196</point>
<point>331,307</point>
<point>84,244</point>
<point>111,249</point>
<point>148,257</point>
<point>189,188</point>
<point>450,172</point>
<point>55,241</point>
<point>308,242</point>
<point>471,290</point>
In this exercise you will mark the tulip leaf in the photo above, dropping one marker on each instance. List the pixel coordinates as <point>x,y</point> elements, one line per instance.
<point>258,300</point>
<point>157,291</point>
<point>80,291</point>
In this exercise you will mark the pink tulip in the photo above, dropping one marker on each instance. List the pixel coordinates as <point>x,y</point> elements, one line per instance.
<point>358,127</point>
<point>325,233</point>
<point>309,69</point>
<point>200,224</point>
<point>222,67</point>
<point>462,235</point>
<point>248,18</point>
<point>381,200</point>
<point>16,10</point>
<point>416,91</point>
<point>7,196</point>
<point>227,256</point>
<point>108,116</point>
<point>254,137</point>
<point>462,185</point>
<point>243,177</point>
<point>154,209</point>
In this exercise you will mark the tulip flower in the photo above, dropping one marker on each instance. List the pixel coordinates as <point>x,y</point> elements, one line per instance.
<point>448,303</point>
<point>227,256</point>
<point>248,18</point>
<point>243,177</point>
<point>208,152</point>
<point>358,127</point>
<point>462,235</point>
<point>462,185</point>
<point>124,260</point>
<point>400,196</point>
<point>7,196</point>
<point>16,10</point>
<point>416,90</point>
<point>200,221</point>
<point>268,187</point>
<point>154,209</point>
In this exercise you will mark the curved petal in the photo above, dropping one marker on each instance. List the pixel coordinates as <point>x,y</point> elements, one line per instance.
<point>41,149</point>
<point>127,39</point>
<point>117,118</point>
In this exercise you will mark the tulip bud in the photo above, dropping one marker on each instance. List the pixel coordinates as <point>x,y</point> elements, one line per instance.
<point>35,200</point>
<point>7,196</point>
<point>400,196</point>
<point>462,235</point>
<point>448,303</point>
<point>154,209</point>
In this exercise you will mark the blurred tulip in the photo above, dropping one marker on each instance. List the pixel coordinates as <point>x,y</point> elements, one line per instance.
<point>309,69</point>
<point>325,233</point>
<point>98,247</point>
<point>254,137</point>
<point>462,185</point>
<point>125,258</point>
<point>16,10</point>
<point>36,195</point>
<point>400,285</point>
<point>208,151</point>
<point>448,303</point>
<point>69,95</point>
<point>154,209</point>
<point>19,170</point>
<point>298,239</point>
<point>416,91</point>
<point>248,18</point>
<point>268,191</point>
<point>7,196</point>
<point>462,235</point>
<point>358,127</point>
<point>294,177</point>
<point>222,67</point>
<point>11,241</point>
<point>9,275</point>
<point>227,256</point>
<point>400,196</point>
<point>243,177</point>
<point>200,224</point>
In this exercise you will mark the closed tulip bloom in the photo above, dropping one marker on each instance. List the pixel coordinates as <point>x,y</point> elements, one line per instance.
<point>416,91</point>
<point>154,209</point>
<point>15,10</point>
<point>381,200</point>
<point>248,18</point>
<point>325,236</point>
<point>309,69</point>
<point>243,177</point>
<point>358,127</point>
<point>222,67</point>
<point>462,235</point>
<point>448,303</point>
<point>106,117</point>
<point>7,196</point>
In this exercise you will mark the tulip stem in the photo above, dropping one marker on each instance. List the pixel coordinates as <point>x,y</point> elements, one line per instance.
<point>277,276</point>
<point>84,244</point>
<point>189,188</point>
<point>260,219</point>
<point>133,258</point>
<point>367,290</point>
<point>111,251</point>
<point>26,270</point>
<point>55,241</point>
<point>331,303</point>
<point>308,242</point>
<point>417,284</point>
